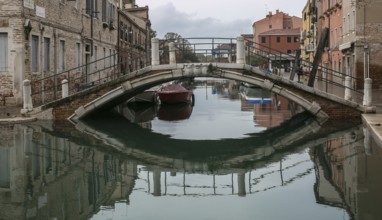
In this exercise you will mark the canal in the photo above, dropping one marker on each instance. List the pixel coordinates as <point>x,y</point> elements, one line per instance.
<point>237,152</point>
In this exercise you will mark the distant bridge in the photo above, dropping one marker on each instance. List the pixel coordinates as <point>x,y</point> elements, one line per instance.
<point>107,94</point>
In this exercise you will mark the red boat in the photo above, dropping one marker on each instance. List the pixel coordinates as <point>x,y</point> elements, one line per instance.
<point>174,93</point>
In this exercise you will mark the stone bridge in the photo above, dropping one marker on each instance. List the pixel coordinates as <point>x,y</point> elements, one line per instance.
<point>104,96</point>
<point>320,104</point>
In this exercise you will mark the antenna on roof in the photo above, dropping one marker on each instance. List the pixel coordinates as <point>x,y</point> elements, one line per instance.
<point>266,9</point>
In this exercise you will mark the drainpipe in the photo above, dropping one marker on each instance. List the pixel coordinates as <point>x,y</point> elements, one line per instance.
<point>55,56</point>
<point>40,66</point>
<point>118,43</point>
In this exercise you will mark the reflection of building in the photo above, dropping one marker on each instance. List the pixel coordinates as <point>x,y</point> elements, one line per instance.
<point>269,110</point>
<point>352,167</point>
<point>44,175</point>
<point>273,115</point>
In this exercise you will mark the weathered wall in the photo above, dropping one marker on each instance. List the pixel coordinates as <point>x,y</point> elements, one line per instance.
<point>12,25</point>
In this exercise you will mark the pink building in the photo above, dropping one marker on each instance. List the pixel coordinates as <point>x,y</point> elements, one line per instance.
<point>330,16</point>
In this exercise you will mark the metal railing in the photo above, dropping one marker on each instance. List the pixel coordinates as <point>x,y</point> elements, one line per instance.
<point>105,69</point>
<point>224,50</point>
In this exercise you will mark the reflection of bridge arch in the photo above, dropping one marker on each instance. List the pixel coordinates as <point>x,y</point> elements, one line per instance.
<point>155,75</point>
<point>239,160</point>
<point>126,138</point>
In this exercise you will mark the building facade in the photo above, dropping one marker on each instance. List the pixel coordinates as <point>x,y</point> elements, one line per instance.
<point>277,33</point>
<point>361,41</point>
<point>309,31</point>
<point>67,39</point>
<point>354,42</point>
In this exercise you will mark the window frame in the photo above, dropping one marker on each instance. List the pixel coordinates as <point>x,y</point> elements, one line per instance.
<point>4,52</point>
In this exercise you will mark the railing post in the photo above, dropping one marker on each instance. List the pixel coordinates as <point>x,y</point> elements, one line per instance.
<point>348,94</point>
<point>65,88</point>
<point>367,97</point>
<point>27,96</point>
<point>154,51</point>
<point>172,54</point>
<point>240,50</point>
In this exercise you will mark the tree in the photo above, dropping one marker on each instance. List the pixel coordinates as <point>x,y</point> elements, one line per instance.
<point>184,49</point>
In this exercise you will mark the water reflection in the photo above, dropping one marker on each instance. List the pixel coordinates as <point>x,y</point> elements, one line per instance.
<point>59,173</point>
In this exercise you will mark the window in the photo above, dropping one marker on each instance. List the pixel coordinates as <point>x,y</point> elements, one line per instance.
<point>46,54</point>
<point>270,26</point>
<point>92,7</point>
<point>263,40</point>
<point>278,39</point>
<point>353,21</point>
<point>78,55</point>
<point>94,58</point>
<point>34,53</point>
<point>121,30</point>
<point>289,51</point>
<point>111,13</point>
<point>289,39</point>
<point>77,5</point>
<point>104,10</point>
<point>296,39</point>
<point>3,51</point>
<point>104,57</point>
<point>345,31</point>
<point>61,58</point>
<point>110,55</point>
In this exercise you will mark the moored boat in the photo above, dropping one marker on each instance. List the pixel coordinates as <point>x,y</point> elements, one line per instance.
<point>174,93</point>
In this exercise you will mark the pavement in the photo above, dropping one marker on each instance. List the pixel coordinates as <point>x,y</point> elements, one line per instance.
<point>12,115</point>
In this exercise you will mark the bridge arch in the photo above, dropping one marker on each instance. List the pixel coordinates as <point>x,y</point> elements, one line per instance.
<point>154,75</point>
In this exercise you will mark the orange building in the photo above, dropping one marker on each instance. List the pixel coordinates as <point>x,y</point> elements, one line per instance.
<point>280,32</point>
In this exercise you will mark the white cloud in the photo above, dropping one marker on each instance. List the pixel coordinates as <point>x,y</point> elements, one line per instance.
<point>213,18</point>
<point>166,18</point>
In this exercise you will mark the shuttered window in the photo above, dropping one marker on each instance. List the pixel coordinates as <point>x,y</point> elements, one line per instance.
<point>34,53</point>
<point>3,51</point>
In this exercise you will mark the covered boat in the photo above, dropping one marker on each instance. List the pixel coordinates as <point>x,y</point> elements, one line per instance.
<point>174,93</point>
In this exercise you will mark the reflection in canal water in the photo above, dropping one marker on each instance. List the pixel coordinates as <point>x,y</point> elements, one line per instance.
<point>112,168</point>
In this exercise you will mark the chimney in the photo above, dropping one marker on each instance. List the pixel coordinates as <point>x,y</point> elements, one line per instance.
<point>277,11</point>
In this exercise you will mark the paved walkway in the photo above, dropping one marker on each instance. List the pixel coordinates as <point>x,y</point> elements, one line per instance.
<point>11,115</point>
<point>374,123</point>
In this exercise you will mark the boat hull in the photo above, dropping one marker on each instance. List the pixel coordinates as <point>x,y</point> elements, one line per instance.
<point>172,97</point>
<point>174,93</point>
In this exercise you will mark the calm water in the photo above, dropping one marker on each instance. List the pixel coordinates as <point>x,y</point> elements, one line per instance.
<point>222,158</point>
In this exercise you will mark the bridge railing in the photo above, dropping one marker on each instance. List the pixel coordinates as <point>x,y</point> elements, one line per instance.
<point>327,79</point>
<point>50,88</point>
<point>268,59</point>
<point>199,49</point>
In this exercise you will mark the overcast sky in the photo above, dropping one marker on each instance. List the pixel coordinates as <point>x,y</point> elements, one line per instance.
<point>213,18</point>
